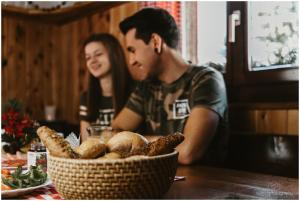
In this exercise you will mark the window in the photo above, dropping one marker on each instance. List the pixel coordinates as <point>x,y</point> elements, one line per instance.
<point>211,34</point>
<point>272,35</point>
<point>205,43</point>
<point>262,61</point>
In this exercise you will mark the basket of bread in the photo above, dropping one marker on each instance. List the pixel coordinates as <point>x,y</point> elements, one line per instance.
<point>127,166</point>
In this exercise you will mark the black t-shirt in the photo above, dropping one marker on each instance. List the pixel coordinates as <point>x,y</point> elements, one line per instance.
<point>105,111</point>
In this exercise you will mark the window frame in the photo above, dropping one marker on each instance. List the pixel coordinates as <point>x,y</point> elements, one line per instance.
<point>242,82</point>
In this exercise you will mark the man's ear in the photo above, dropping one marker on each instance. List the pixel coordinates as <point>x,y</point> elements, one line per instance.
<point>157,43</point>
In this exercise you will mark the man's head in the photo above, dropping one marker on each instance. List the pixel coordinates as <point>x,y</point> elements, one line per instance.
<point>147,32</point>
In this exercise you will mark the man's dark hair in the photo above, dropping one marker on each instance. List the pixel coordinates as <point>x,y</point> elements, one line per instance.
<point>152,20</point>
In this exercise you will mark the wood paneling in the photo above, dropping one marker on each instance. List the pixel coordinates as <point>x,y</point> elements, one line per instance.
<point>293,122</point>
<point>117,15</point>
<point>4,48</point>
<point>271,121</point>
<point>45,64</point>
<point>264,121</point>
<point>264,105</point>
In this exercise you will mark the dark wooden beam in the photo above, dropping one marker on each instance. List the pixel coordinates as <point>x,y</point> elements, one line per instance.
<point>60,16</point>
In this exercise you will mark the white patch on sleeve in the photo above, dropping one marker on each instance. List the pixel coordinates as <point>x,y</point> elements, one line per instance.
<point>82,107</point>
<point>83,113</point>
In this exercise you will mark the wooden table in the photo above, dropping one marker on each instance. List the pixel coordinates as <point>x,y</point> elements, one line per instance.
<point>217,183</point>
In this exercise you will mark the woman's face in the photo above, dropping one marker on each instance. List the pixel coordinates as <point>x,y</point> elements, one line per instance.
<point>97,60</point>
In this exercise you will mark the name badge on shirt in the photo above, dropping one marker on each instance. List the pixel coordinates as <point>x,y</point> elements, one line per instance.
<point>181,109</point>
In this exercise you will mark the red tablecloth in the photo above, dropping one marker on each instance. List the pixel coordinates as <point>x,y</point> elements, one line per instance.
<point>49,192</point>
<point>45,193</point>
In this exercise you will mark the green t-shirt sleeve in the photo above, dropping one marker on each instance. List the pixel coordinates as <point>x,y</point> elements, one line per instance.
<point>209,91</point>
<point>136,100</point>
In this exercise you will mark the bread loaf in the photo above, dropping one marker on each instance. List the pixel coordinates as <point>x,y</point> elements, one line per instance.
<point>111,155</point>
<point>56,144</point>
<point>162,145</point>
<point>91,148</point>
<point>126,142</point>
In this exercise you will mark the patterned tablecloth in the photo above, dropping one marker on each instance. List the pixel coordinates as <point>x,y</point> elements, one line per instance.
<point>44,193</point>
<point>49,192</point>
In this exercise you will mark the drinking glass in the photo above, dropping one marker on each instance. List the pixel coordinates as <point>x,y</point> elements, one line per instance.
<point>104,133</point>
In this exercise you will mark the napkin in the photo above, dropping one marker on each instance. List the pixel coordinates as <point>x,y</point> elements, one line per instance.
<point>73,140</point>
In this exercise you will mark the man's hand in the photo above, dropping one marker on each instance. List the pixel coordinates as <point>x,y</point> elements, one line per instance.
<point>127,120</point>
<point>198,132</point>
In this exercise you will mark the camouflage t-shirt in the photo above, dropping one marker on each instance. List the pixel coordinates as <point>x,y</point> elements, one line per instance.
<point>166,107</point>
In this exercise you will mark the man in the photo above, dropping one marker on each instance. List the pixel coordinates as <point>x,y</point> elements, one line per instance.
<point>174,96</point>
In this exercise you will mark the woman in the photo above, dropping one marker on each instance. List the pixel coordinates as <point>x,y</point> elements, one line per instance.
<point>109,82</point>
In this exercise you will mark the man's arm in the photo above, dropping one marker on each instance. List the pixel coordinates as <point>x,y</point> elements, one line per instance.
<point>127,120</point>
<point>198,132</point>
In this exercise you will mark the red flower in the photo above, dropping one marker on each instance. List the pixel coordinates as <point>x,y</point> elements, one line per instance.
<point>19,134</point>
<point>26,121</point>
<point>15,123</point>
<point>11,123</point>
<point>20,128</point>
<point>11,112</point>
<point>15,115</point>
<point>9,130</point>
<point>4,117</point>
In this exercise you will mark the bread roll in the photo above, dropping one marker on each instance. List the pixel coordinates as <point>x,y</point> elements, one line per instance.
<point>162,145</point>
<point>56,144</point>
<point>106,135</point>
<point>126,142</point>
<point>136,157</point>
<point>111,155</point>
<point>91,148</point>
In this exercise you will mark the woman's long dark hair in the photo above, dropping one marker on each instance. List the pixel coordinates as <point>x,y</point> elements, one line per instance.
<point>121,79</point>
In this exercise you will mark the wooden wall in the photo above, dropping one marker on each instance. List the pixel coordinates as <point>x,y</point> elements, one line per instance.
<point>270,118</point>
<point>44,62</point>
<point>31,53</point>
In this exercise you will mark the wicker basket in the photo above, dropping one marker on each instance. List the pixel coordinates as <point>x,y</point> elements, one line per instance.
<point>132,178</point>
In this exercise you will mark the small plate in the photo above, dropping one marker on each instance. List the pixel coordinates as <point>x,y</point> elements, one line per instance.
<point>22,191</point>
